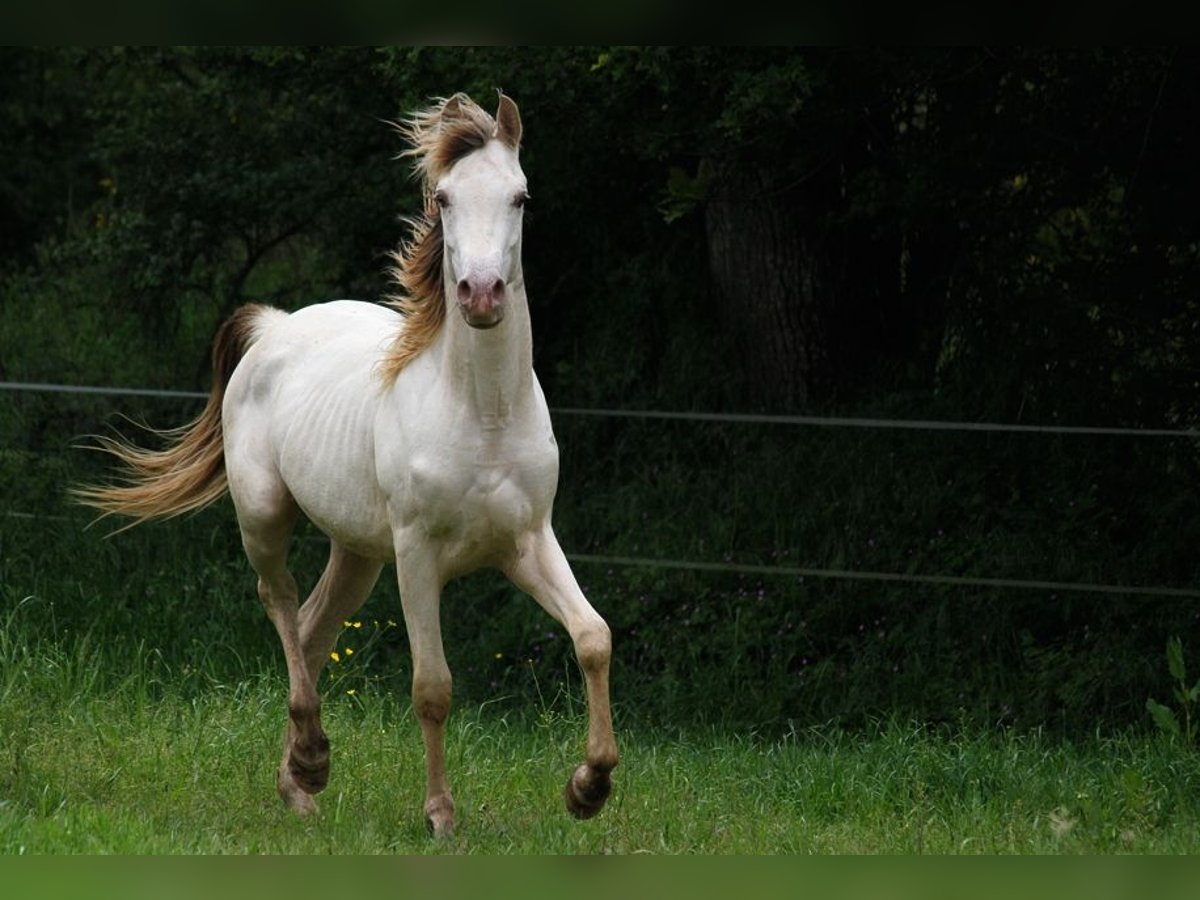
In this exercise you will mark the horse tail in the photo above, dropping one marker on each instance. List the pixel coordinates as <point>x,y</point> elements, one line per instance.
<point>189,472</point>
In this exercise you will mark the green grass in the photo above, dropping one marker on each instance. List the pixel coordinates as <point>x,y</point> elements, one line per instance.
<point>142,703</point>
<point>94,760</point>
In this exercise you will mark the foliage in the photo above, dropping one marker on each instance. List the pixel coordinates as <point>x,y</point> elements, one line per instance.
<point>946,187</point>
<point>1186,696</point>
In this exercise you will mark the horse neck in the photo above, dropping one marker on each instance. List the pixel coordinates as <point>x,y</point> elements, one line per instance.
<point>490,371</point>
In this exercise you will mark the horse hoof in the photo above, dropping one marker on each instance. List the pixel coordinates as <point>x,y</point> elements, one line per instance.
<point>298,801</point>
<point>586,792</point>
<point>439,819</point>
<point>440,829</point>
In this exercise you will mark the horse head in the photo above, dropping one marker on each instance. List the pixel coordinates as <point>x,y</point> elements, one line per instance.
<point>481,199</point>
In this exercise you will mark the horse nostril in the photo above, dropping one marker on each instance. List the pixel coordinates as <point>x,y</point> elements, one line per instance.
<point>464,291</point>
<point>498,289</point>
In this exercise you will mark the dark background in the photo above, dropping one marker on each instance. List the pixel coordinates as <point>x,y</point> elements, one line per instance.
<point>998,235</point>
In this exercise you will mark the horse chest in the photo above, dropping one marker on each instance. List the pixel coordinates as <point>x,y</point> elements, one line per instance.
<point>475,501</point>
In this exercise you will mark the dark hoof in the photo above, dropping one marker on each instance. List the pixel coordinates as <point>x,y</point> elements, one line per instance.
<point>586,792</point>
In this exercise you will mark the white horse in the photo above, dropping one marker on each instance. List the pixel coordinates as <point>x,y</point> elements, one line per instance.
<point>414,432</point>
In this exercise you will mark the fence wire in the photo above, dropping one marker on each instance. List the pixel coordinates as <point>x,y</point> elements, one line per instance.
<point>688,416</point>
<point>757,419</point>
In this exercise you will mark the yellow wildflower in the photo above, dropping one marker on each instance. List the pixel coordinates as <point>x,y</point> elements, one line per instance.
<point>334,656</point>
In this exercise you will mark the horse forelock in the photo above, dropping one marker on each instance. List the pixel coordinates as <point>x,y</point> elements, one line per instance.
<point>443,134</point>
<point>438,137</point>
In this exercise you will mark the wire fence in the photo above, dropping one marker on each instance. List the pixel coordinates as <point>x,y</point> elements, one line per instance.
<point>729,567</point>
<point>689,416</point>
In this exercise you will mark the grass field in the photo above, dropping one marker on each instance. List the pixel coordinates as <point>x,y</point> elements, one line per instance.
<point>92,763</point>
<point>142,698</point>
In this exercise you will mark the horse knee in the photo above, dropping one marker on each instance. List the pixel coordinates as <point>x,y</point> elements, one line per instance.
<point>431,698</point>
<point>593,646</point>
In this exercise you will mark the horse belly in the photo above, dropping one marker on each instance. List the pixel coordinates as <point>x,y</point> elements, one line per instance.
<point>356,519</point>
<point>333,482</point>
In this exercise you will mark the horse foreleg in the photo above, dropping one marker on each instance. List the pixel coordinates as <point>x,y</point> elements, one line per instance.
<point>420,597</point>
<point>542,570</point>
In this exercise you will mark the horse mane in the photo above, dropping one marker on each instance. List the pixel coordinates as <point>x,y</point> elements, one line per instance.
<point>438,137</point>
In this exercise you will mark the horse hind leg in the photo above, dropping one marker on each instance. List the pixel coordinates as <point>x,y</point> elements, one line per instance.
<point>267,520</point>
<point>341,591</point>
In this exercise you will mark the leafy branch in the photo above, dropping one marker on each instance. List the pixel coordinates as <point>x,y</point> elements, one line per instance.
<point>1165,717</point>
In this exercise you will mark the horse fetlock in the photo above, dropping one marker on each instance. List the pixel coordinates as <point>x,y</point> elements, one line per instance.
<point>308,763</point>
<point>587,790</point>
<point>605,760</point>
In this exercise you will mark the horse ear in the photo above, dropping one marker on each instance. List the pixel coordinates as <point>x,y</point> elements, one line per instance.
<point>452,108</point>
<point>508,122</point>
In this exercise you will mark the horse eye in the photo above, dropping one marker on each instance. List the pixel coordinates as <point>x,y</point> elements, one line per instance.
<point>519,200</point>
<point>440,198</point>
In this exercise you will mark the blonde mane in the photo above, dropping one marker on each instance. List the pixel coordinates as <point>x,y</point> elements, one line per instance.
<point>438,137</point>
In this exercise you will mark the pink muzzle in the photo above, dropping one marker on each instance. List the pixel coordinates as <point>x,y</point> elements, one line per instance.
<point>481,300</point>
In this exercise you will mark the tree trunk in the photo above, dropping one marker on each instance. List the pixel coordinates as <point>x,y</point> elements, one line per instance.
<point>771,285</point>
